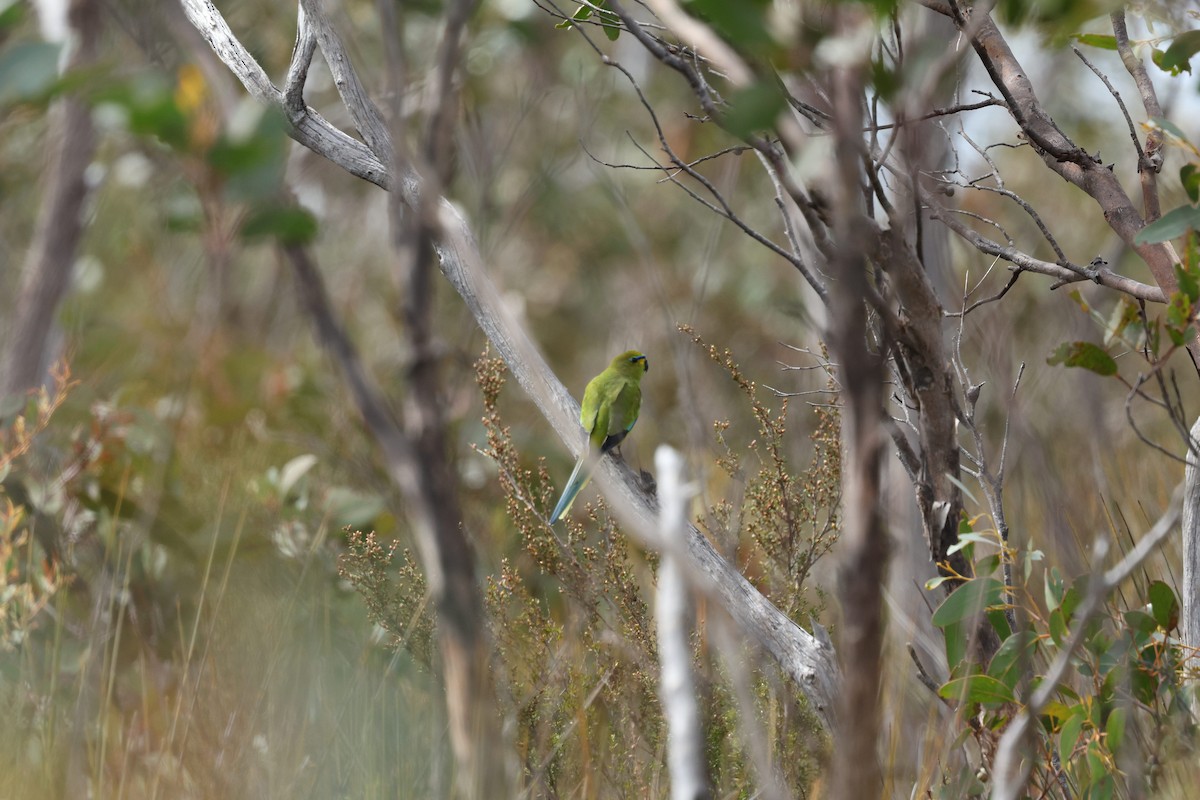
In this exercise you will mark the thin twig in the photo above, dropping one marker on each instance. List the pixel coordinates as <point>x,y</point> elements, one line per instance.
<point>708,102</point>
<point>1121,103</point>
<point>1001,189</point>
<point>924,677</point>
<point>719,204</point>
<point>1102,276</point>
<point>938,112</point>
<point>1152,158</point>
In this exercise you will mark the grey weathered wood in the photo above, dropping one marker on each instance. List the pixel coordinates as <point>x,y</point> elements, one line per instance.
<point>672,616</point>
<point>1190,623</point>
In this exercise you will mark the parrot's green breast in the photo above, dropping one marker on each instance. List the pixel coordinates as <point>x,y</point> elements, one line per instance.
<point>612,400</point>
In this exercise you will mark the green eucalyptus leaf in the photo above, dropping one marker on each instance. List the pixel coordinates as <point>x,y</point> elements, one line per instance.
<point>968,600</point>
<point>1173,224</point>
<point>981,538</point>
<point>999,622</point>
<point>754,108</point>
<point>1054,588</point>
<point>1189,176</point>
<point>1099,40</point>
<point>1156,57</point>
<point>988,564</point>
<point>1013,658</point>
<point>1140,621</point>
<point>1188,283</point>
<point>1169,127</point>
<point>1124,322</point>
<point>289,224</point>
<point>957,636</point>
<point>1164,606</point>
<point>1073,597</point>
<point>612,25</point>
<point>1068,737</point>
<point>1086,355</point>
<point>982,689</point>
<point>581,13</point>
<point>1178,56</point>
<point>1058,627</point>
<point>1056,711</point>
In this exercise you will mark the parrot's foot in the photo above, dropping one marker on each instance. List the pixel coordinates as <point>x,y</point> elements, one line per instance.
<point>647,483</point>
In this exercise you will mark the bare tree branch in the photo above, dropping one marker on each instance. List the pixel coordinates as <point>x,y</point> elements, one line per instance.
<point>1101,275</point>
<point>307,126</point>
<point>1061,154</point>
<point>366,116</point>
<point>1137,144</point>
<point>936,113</point>
<point>1151,159</point>
<point>789,132</point>
<point>302,55</point>
<point>1028,208</point>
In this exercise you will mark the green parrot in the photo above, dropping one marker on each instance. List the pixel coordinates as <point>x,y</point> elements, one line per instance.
<point>610,408</point>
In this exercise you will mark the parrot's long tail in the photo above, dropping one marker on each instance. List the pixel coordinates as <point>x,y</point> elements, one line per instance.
<point>579,478</point>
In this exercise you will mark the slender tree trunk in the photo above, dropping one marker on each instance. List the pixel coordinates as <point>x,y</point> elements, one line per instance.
<point>415,459</point>
<point>46,274</point>
<point>864,540</point>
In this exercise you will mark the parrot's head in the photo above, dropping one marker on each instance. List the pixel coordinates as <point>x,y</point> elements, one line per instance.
<point>631,364</point>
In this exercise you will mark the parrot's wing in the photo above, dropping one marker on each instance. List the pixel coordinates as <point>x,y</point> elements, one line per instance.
<point>622,414</point>
<point>593,399</point>
<point>598,398</point>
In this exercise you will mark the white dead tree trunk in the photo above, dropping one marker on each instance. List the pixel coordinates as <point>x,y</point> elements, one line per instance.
<point>685,734</point>
<point>1190,624</point>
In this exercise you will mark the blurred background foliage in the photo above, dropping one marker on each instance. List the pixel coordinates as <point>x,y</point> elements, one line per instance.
<point>202,461</point>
